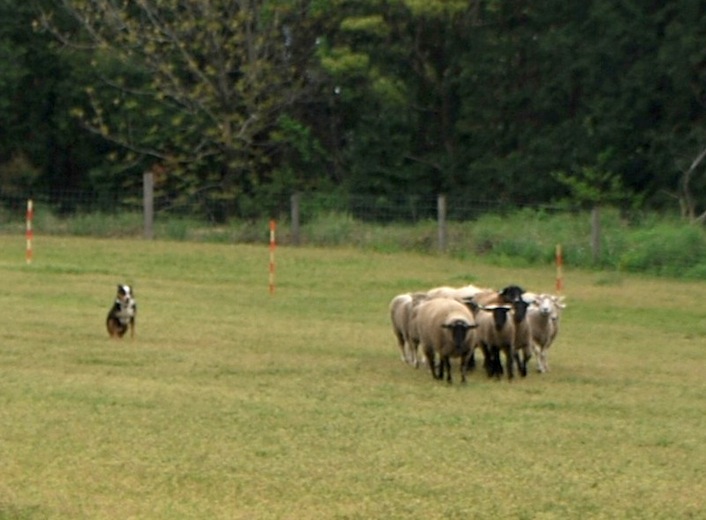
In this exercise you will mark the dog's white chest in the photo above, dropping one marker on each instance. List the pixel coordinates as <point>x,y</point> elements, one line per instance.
<point>126,310</point>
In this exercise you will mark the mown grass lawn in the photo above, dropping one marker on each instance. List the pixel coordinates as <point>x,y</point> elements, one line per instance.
<point>234,403</point>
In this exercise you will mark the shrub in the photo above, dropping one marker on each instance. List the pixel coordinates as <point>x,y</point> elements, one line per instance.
<point>665,250</point>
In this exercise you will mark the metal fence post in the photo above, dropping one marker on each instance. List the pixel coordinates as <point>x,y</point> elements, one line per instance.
<point>148,204</point>
<point>441,217</point>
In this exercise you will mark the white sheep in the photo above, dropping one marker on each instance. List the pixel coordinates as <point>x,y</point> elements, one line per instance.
<point>400,314</point>
<point>460,293</point>
<point>543,316</point>
<point>444,327</point>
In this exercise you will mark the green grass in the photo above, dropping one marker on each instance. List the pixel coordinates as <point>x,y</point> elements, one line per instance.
<point>234,403</point>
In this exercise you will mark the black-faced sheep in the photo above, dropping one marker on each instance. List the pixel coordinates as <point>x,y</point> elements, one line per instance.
<point>444,327</point>
<point>400,314</point>
<point>523,334</point>
<point>543,316</point>
<point>495,334</point>
<point>488,297</point>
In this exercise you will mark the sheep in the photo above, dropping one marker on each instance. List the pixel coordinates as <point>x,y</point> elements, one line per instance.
<point>522,342</point>
<point>444,326</point>
<point>543,316</point>
<point>495,333</point>
<point>489,297</point>
<point>400,314</point>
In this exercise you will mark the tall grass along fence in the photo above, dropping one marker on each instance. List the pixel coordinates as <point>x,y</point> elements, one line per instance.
<point>510,235</point>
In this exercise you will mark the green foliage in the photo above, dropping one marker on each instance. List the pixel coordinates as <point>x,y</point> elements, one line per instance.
<point>591,186</point>
<point>668,250</point>
<point>332,228</point>
<point>237,102</point>
<point>18,176</point>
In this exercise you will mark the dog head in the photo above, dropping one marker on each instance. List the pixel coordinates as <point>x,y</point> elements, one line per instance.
<point>125,299</point>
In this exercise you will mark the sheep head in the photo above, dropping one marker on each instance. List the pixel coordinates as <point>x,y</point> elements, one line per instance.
<point>499,314</point>
<point>511,293</point>
<point>459,332</point>
<point>520,310</point>
<point>548,304</point>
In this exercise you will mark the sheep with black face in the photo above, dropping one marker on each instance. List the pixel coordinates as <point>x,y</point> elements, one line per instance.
<point>522,346</point>
<point>444,327</point>
<point>495,334</point>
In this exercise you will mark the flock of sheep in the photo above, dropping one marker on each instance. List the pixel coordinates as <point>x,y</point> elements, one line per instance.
<point>449,322</point>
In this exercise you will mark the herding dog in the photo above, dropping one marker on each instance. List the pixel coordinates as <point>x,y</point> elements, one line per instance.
<point>122,314</point>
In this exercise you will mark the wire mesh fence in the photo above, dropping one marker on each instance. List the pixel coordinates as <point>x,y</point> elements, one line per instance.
<point>616,238</point>
<point>210,207</point>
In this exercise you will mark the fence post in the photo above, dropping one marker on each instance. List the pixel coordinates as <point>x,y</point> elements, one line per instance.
<point>596,233</point>
<point>441,217</point>
<point>294,201</point>
<point>148,204</point>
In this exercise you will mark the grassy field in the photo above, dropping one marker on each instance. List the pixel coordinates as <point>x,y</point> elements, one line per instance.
<point>233,403</point>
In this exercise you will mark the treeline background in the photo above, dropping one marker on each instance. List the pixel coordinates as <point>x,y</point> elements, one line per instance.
<point>236,105</point>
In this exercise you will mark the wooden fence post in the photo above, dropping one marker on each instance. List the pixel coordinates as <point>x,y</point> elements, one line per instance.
<point>441,218</point>
<point>148,204</point>
<point>294,201</point>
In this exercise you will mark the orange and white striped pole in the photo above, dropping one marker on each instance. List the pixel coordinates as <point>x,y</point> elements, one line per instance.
<point>273,245</point>
<point>559,269</point>
<point>29,234</point>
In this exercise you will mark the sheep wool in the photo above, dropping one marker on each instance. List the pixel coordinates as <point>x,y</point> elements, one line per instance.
<point>544,316</point>
<point>444,327</point>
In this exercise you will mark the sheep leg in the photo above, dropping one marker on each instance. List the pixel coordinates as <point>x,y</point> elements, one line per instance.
<point>488,360</point>
<point>401,345</point>
<point>542,361</point>
<point>445,364</point>
<point>523,360</point>
<point>465,363</point>
<point>414,352</point>
<point>470,362</point>
<point>545,361</point>
<point>433,370</point>
<point>509,360</point>
<point>521,365</point>
<point>497,366</point>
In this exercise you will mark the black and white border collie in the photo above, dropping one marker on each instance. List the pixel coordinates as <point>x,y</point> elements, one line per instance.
<point>122,313</point>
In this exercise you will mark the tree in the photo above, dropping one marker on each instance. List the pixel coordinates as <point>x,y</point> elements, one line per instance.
<point>394,70</point>
<point>687,200</point>
<point>41,146</point>
<point>196,86</point>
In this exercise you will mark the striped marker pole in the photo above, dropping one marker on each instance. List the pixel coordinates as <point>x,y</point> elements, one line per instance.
<point>559,269</point>
<point>29,234</point>
<point>273,225</point>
